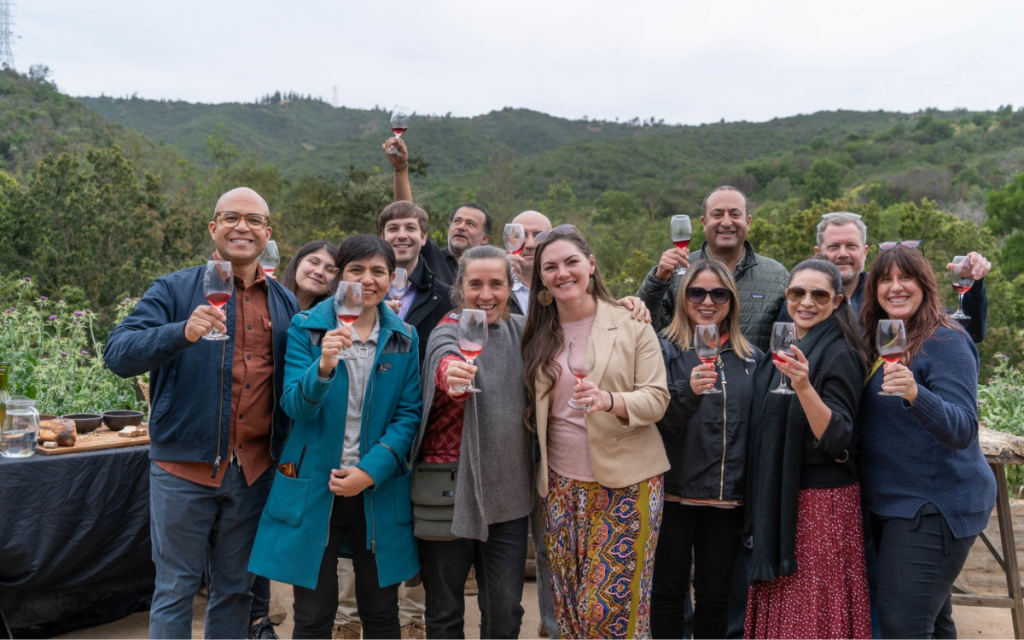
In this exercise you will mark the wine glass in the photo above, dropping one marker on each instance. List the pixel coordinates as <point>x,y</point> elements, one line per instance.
<point>891,339</point>
<point>961,284</point>
<point>581,359</point>
<point>681,234</point>
<point>472,337</point>
<point>400,285</point>
<point>706,345</point>
<point>783,339</point>
<point>218,285</point>
<point>270,258</point>
<point>348,306</point>
<point>399,124</point>
<point>514,239</point>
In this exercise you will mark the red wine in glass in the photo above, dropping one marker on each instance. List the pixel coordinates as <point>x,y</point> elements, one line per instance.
<point>891,339</point>
<point>581,358</point>
<point>218,299</point>
<point>682,244</point>
<point>681,232</point>
<point>470,350</point>
<point>961,284</point>
<point>398,131</point>
<point>348,319</point>
<point>893,358</point>
<point>399,124</point>
<point>348,306</point>
<point>706,344</point>
<point>270,258</point>
<point>783,338</point>
<point>472,338</point>
<point>218,286</point>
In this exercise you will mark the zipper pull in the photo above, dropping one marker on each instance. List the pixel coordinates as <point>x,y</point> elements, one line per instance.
<point>373,546</point>
<point>216,464</point>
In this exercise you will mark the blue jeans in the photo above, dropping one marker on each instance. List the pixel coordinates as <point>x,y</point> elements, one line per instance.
<point>500,572</point>
<point>185,519</point>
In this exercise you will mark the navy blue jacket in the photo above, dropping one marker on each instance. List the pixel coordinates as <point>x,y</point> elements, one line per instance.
<point>190,382</point>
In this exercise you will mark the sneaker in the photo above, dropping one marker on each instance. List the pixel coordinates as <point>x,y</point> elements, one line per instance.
<point>414,630</point>
<point>341,632</point>
<point>262,630</point>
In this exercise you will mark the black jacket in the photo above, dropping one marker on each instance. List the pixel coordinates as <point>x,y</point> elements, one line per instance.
<point>706,435</point>
<point>431,304</point>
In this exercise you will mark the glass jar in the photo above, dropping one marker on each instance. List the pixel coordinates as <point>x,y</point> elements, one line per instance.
<point>20,428</point>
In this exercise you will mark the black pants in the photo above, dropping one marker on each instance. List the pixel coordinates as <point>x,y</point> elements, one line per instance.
<point>378,606</point>
<point>708,537</point>
<point>500,565</point>
<point>918,561</point>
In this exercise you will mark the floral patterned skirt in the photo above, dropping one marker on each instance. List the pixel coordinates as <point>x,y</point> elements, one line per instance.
<point>601,550</point>
<point>828,595</point>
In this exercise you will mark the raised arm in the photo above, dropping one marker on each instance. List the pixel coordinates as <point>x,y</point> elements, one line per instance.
<point>400,165</point>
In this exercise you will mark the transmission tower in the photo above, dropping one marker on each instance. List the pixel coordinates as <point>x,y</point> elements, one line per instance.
<point>6,57</point>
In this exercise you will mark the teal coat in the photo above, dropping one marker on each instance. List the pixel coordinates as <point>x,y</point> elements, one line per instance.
<point>293,529</point>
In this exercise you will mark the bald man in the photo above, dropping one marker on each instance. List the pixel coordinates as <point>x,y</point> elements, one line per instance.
<point>216,428</point>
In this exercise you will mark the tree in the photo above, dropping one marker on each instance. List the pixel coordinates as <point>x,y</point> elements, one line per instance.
<point>824,180</point>
<point>1005,210</point>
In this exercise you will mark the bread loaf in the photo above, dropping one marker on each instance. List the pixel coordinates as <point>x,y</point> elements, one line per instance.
<point>62,432</point>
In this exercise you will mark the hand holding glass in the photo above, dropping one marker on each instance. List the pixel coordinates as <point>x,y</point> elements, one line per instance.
<point>348,306</point>
<point>783,339</point>
<point>399,124</point>
<point>961,284</point>
<point>218,285</point>
<point>270,258</point>
<point>706,345</point>
<point>681,234</point>
<point>581,359</point>
<point>472,337</point>
<point>891,339</point>
<point>400,285</point>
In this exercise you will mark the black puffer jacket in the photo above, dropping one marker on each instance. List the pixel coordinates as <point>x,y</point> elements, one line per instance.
<point>706,435</point>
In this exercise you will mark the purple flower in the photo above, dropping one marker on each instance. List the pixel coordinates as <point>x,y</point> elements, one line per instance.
<point>79,313</point>
<point>61,301</point>
<point>84,352</point>
<point>11,310</point>
<point>88,311</point>
<point>42,297</point>
<point>53,317</point>
<point>63,354</point>
<point>28,279</point>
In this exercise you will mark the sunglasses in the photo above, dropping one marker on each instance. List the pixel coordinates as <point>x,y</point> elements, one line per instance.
<point>696,295</point>
<point>562,230</point>
<point>818,296</point>
<point>910,244</point>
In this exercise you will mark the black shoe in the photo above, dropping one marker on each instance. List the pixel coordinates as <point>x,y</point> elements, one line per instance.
<point>262,630</point>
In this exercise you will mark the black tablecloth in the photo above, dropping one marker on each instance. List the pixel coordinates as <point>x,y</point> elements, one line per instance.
<point>74,539</point>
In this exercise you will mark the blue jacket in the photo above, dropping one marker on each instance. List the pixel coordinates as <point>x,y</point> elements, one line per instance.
<point>294,527</point>
<point>190,382</point>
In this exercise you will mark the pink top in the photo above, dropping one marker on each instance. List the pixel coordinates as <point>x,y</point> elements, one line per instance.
<point>568,447</point>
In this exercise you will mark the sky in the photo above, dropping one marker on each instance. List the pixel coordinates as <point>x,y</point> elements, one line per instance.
<point>681,61</point>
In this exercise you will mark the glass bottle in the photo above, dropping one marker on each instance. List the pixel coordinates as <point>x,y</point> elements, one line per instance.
<point>20,428</point>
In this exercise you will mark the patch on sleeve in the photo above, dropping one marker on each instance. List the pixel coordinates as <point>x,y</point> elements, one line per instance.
<point>757,296</point>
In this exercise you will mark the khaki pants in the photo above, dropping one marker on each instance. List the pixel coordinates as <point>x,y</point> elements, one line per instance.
<point>410,600</point>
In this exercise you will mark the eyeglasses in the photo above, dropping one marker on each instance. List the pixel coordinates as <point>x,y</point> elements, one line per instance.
<point>252,220</point>
<point>696,295</point>
<point>818,296</point>
<point>845,214</point>
<point>910,244</point>
<point>562,229</point>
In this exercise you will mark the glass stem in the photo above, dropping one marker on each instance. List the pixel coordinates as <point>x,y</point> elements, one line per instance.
<point>960,306</point>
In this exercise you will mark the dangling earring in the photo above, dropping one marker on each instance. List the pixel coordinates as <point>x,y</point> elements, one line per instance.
<point>545,298</point>
<point>590,286</point>
<point>506,314</point>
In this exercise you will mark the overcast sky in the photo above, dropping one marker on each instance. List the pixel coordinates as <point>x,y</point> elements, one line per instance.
<point>683,61</point>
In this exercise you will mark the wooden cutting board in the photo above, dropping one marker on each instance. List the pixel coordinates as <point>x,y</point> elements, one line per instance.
<point>102,438</point>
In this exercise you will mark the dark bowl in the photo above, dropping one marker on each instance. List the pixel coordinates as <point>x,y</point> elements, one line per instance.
<point>85,422</point>
<point>117,420</point>
<point>47,416</point>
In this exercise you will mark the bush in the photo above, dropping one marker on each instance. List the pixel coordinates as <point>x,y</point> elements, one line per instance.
<point>54,354</point>
<point>1001,407</point>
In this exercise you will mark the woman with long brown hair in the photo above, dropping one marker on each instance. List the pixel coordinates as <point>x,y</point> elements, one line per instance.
<point>927,487</point>
<point>600,466</point>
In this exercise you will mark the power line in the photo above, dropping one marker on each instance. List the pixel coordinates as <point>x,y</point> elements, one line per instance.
<point>6,57</point>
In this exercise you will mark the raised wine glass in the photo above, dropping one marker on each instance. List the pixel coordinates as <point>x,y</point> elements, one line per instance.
<point>891,339</point>
<point>218,285</point>
<point>399,124</point>
<point>961,284</point>
<point>581,359</point>
<point>514,239</point>
<point>682,231</point>
<point>706,345</point>
<point>348,306</point>
<point>472,337</point>
<point>270,258</point>
<point>400,285</point>
<point>783,339</point>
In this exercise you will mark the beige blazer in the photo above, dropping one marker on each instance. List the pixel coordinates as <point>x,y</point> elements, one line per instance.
<point>629,362</point>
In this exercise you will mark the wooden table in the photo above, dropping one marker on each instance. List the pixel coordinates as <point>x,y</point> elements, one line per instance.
<point>1000,449</point>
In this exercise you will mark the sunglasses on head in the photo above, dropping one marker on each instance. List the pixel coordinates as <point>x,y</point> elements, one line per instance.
<point>910,244</point>
<point>818,296</point>
<point>696,295</point>
<point>562,230</point>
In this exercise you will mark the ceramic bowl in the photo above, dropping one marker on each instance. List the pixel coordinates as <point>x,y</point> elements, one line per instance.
<point>117,420</point>
<point>85,422</point>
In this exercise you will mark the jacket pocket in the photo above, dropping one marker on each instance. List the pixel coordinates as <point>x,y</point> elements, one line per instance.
<point>288,499</point>
<point>163,403</point>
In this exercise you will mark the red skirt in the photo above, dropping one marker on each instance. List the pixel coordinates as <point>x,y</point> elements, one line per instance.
<point>828,595</point>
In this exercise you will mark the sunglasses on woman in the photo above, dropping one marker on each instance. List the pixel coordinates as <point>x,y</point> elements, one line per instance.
<point>818,296</point>
<point>561,230</point>
<point>910,244</point>
<point>696,295</point>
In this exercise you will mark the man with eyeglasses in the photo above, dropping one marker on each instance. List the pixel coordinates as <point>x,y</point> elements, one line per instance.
<point>759,279</point>
<point>842,240</point>
<point>216,426</point>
